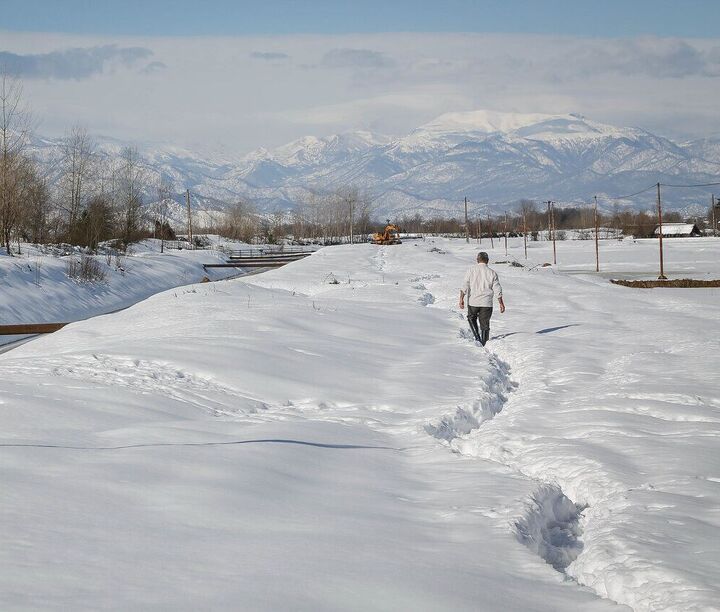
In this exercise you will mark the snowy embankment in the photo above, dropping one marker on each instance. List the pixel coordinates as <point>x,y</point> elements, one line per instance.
<point>325,436</point>
<point>618,403</point>
<point>37,289</point>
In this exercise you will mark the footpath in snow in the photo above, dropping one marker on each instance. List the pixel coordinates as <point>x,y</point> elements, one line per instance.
<point>326,436</point>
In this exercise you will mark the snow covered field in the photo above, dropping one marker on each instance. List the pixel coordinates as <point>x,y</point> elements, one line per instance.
<point>325,436</point>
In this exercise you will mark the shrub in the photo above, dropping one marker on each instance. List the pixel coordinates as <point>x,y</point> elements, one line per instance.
<point>85,270</point>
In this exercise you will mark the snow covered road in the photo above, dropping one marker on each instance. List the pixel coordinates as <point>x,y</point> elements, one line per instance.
<point>325,436</point>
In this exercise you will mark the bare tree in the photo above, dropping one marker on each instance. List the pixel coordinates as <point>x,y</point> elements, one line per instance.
<point>34,206</point>
<point>363,215</point>
<point>276,225</point>
<point>309,217</point>
<point>131,181</point>
<point>77,156</point>
<point>14,129</point>
<point>241,222</point>
<point>164,195</point>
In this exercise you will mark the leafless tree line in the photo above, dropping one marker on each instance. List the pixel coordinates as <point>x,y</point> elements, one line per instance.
<point>329,218</point>
<point>87,197</point>
<point>533,218</point>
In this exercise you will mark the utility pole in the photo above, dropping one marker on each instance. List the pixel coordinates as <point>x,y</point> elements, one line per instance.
<point>467,226</point>
<point>548,219</point>
<point>597,245</point>
<point>551,227</point>
<point>189,219</point>
<point>162,225</point>
<point>660,235</point>
<point>506,232</point>
<point>525,232</point>
<point>490,229</point>
<point>552,214</point>
<point>479,224</point>
<point>714,220</point>
<point>352,237</point>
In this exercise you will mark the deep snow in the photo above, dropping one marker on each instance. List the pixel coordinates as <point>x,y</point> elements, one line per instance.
<point>281,441</point>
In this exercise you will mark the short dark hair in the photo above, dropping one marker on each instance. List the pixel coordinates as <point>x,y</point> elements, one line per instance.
<point>483,256</point>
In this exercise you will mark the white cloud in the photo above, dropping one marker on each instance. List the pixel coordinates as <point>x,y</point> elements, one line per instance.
<point>662,58</point>
<point>269,55</point>
<point>388,113</point>
<point>356,58</point>
<point>242,93</point>
<point>75,63</point>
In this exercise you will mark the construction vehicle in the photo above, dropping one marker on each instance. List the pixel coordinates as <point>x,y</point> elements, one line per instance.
<point>390,235</point>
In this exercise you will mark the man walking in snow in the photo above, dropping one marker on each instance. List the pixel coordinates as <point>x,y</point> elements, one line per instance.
<point>481,284</point>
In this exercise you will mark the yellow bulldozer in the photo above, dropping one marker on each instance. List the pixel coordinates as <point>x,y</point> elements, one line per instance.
<point>390,235</point>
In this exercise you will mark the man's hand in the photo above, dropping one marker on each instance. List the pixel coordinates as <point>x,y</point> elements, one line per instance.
<point>461,303</point>
<point>502,305</point>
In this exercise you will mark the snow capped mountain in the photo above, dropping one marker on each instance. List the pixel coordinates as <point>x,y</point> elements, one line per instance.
<point>483,121</point>
<point>493,158</point>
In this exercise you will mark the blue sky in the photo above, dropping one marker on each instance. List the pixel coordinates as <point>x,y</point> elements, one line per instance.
<point>597,18</point>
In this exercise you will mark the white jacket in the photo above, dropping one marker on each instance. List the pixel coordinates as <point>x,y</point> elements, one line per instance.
<point>480,285</point>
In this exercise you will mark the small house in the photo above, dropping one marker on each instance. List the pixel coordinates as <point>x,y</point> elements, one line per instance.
<point>678,230</point>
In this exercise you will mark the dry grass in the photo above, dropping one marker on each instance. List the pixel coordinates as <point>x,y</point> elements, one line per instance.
<point>85,270</point>
<point>680,283</point>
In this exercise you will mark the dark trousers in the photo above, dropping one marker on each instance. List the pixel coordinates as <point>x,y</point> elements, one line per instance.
<point>479,317</point>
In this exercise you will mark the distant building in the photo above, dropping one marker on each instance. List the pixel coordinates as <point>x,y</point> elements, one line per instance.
<point>678,230</point>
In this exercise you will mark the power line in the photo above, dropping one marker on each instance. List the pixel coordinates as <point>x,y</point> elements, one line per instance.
<point>632,195</point>
<point>693,185</point>
<point>654,186</point>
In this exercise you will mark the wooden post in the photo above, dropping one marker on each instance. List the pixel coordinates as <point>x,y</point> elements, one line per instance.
<point>189,219</point>
<point>163,205</point>
<point>479,223</point>
<point>714,220</point>
<point>660,235</point>
<point>490,229</point>
<point>506,233</point>
<point>352,238</point>
<point>597,244</point>
<point>552,216</point>
<point>467,225</point>
<point>525,232</point>
<point>548,219</point>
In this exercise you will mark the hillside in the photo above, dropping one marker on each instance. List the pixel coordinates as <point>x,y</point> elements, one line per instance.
<point>494,159</point>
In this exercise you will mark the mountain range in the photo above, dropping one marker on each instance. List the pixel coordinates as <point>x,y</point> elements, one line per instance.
<point>494,159</point>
